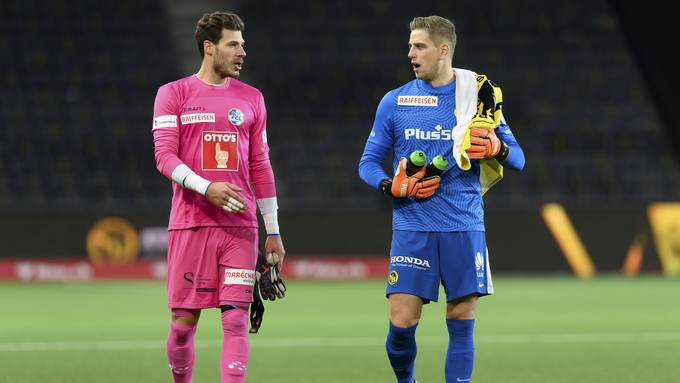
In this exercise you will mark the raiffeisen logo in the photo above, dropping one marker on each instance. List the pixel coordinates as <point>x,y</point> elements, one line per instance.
<point>439,133</point>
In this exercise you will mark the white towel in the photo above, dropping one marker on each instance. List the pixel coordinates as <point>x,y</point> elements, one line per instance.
<point>491,171</point>
<point>466,107</point>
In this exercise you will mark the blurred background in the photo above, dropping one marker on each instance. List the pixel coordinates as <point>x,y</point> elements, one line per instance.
<point>585,94</point>
<point>589,92</point>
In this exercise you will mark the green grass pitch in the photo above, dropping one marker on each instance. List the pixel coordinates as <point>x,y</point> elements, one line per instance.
<point>535,329</point>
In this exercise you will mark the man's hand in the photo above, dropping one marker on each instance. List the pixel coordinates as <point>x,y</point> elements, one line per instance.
<point>428,186</point>
<point>269,284</point>
<point>273,248</point>
<point>484,143</point>
<point>411,186</point>
<point>226,195</point>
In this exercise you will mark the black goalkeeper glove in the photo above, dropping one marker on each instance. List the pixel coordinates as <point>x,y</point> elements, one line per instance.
<point>268,286</point>
<point>256,311</point>
<point>269,283</point>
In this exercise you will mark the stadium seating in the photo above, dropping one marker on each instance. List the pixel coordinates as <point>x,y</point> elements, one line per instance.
<point>77,93</point>
<point>79,83</point>
<point>574,96</point>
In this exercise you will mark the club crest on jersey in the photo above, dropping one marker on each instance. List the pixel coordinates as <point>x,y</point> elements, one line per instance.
<point>235,116</point>
<point>220,151</point>
<point>393,278</point>
<point>418,100</point>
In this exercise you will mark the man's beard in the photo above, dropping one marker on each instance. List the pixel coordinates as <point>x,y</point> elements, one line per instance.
<point>223,71</point>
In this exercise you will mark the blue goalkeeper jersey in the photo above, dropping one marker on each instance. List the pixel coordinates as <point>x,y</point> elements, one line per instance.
<point>418,116</point>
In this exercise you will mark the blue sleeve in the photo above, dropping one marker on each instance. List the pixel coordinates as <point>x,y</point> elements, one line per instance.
<point>515,158</point>
<point>379,143</point>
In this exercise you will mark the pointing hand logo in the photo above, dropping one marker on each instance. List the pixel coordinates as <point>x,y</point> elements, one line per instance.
<point>222,156</point>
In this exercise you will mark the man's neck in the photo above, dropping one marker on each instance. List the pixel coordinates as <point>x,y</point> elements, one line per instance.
<point>208,75</point>
<point>446,76</point>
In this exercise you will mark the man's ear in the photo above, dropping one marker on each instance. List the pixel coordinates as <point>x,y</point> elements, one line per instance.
<point>208,47</point>
<point>444,49</point>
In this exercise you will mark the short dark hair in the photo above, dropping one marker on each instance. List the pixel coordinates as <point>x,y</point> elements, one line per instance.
<point>210,26</point>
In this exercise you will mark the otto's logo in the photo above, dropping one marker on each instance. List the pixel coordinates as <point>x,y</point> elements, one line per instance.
<point>220,151</point>
<point>235,116</point>
<point>439,133</point>
<point>410,260</point>
<point>393,278</point>
<point>418,100</point>
<point>220,136</point>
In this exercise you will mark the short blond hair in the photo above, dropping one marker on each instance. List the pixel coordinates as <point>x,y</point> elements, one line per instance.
<point>438,27</point>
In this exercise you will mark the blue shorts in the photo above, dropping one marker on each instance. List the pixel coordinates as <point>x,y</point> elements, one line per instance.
<point>419,261</point>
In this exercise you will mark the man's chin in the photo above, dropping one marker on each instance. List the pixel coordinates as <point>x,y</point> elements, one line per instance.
<point>228,73</point>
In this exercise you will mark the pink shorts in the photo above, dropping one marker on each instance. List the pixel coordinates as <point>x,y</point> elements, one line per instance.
<point>211,266</point>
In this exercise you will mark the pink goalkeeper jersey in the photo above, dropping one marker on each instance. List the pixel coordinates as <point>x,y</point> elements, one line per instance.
<point>219,131</point>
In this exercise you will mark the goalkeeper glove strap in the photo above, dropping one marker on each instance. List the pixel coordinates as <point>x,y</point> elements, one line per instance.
<point>386,187</point>
<point>503,152</point>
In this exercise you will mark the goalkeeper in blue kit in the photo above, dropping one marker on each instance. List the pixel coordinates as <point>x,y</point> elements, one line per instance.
<point>438,220</point>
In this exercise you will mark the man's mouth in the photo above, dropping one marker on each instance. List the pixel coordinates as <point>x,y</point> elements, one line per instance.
<point>415,66</point>
<point>238,65</point>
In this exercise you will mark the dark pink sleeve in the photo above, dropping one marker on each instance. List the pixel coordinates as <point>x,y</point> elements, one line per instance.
<point>261,173</point>
<point>166,131</point>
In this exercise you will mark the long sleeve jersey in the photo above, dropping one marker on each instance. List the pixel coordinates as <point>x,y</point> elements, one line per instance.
<point>219,132</point>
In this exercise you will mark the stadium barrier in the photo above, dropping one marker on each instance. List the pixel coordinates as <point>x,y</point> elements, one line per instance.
<point>77,270</point>
<point>520,241</point>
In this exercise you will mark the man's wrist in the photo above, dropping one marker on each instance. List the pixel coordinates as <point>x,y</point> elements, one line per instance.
<point>268,210</point>
<point>385,187</point>
<point>206,189</point>
<point>186,178</point>
<point>503,152</point>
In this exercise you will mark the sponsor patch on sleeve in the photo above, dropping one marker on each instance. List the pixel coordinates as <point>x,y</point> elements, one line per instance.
<point>164,121</point>
<point>239,277</point>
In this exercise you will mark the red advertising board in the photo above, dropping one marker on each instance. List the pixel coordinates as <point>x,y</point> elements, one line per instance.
<point>70,270</point>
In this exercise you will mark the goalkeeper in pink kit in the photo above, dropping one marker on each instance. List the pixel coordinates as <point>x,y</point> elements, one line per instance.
<point>210,139</point>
